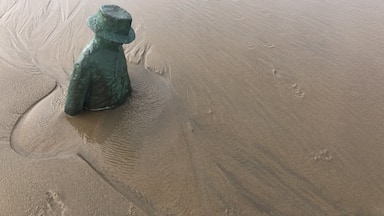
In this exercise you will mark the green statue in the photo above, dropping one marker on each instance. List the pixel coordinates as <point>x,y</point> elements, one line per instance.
<point>100,78</point>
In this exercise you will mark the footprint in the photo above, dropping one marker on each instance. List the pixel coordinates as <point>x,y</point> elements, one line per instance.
<point>269,45</point>
<point>274,72</point>
<point>232,211</point>
<point>323,154</point>
<point>190,126</point>
<point>298,92</point>
<point>250,46</point>
<point>53,205</point>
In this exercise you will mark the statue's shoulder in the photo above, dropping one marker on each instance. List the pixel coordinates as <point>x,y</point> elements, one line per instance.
<point>87,57</point>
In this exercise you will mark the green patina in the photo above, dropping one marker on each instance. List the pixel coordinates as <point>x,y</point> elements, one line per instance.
<point>100,78</point>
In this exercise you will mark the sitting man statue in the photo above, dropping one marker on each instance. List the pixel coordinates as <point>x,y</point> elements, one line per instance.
<point>100,78</point>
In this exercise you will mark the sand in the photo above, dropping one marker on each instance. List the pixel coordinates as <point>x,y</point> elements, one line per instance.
<point>239,107</point>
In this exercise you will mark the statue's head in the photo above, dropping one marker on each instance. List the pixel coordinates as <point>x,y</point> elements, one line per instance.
<point>112,23</point>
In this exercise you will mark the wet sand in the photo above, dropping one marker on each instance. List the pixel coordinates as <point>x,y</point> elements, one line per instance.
<point>239,107</point>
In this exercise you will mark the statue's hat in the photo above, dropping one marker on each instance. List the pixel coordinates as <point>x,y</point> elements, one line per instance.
<point>112,23</point>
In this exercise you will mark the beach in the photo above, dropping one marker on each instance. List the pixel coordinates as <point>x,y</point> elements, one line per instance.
<point>238,107</point>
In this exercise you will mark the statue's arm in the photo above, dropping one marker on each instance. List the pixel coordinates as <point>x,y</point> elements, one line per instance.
<point>77,90</point>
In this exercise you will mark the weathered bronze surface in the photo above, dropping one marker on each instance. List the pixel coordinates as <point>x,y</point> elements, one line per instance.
<point>100,78</point>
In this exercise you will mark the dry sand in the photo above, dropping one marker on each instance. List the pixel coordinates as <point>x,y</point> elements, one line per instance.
<point>240,107</point>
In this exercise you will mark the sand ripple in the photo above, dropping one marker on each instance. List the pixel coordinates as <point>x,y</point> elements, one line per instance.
<point>240,107</point>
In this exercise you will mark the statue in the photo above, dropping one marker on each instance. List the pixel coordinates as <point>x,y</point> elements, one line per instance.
<point>100,80</point>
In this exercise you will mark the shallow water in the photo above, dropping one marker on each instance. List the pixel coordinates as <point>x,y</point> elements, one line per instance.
<point>239,107</point>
